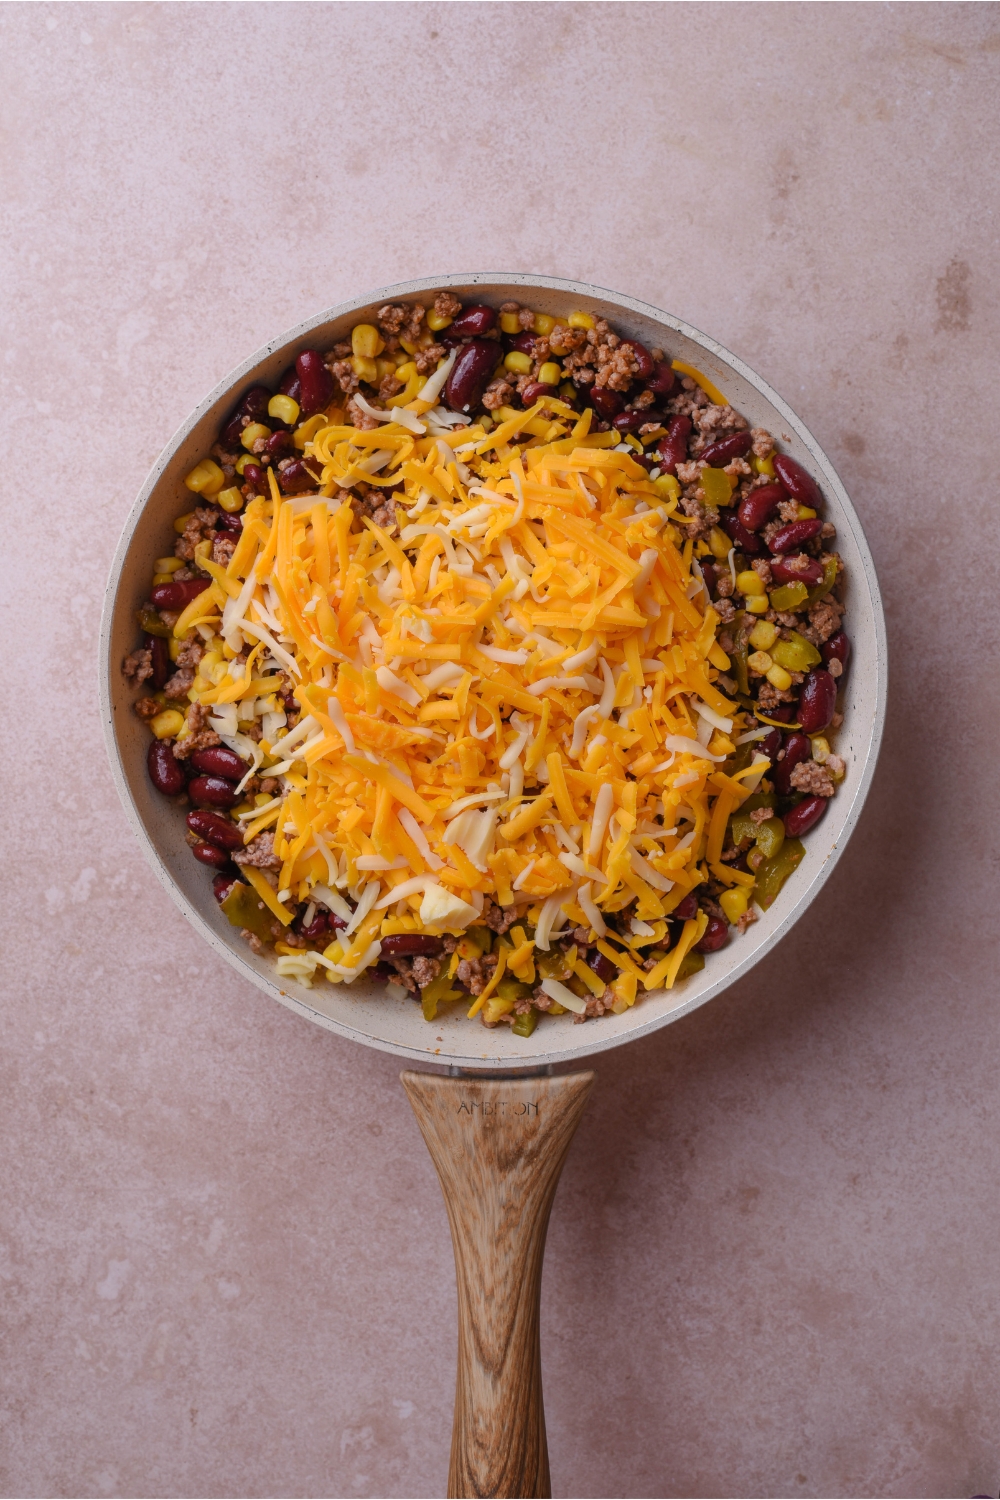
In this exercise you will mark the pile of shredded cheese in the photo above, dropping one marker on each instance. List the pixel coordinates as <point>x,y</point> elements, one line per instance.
<point>512,696</point>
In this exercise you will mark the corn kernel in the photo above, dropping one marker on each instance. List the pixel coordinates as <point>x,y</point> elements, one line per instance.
<point>702,549</point>
<point>549,373</point>
<point>436,321</point>
<point>667,487</point>
<point>567,390</point>
<point>243,460</point>
<point>751,584</point>
<point>206,478</point>
<point>760,661</point>
<point>735,902</point>
<point>719,543</point>
<point>805,513</point>
<point>518,362</point>
<point>580,320</point>
<point>168,725</point>
<point>509,323</point>
<point>284,408</point>
<point>174,647</point>
<point>366,341</point>
<point>764,466</point>
<point>758,604</point>
<point>763,636</point>
<point>168,564</point>
<point>202,550</point>
<point>543,324</point>
<point>385,367</point>
<point>820,749</point>
<point>365,368</point>
<point>251,433</point>
<point>779,678</point>
<point>307,430</point>
<point>230,499</point>
<point>161,578</point>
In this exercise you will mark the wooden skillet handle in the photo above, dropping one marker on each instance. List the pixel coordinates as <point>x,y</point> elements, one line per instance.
<point>499,1147</point>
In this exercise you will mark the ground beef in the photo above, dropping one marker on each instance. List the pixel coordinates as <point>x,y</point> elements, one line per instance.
<point>447,305</point>
<point>385,515</point>
<point>744,922</point>
<point>188,657</point>
<point>617,368</point>
<point>425,970</point>
<point>499,392</point>
<point>359,418</point>
<point>788,510</point>
<point>200,527</point>
<point>222,550</point>
<point>388,386</point>
<point>824,620</point>
<point>712,421</point>
<point>428,358</point>
<point>198,738</point>
<point>761,814</point>
<point>810,777</point>
<point>404,968</point>
<point>343,373</point>
<point>596,1005</point>
<point>251,937</point>
<point>769,697</point>
<point>147,708</point>
<point>401,320</point>
<point>725,610</point>
<point>762,568</point>
<point>138,665</point>
<point>763,443</point>
<point>835,667</point>
<point>499,919</point>
<point>259,853</point>
<point>475,973</point>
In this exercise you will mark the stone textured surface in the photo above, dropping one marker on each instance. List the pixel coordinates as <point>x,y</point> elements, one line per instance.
<point>774,1262</point>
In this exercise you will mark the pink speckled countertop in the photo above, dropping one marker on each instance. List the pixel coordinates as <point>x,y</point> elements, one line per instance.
<point>774,1264</point>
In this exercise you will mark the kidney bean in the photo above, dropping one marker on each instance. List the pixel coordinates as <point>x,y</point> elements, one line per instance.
<point>770,744</point>
<point>178,595</point>
<point>222,885</point>
<point>291,385</point>
<point>737,532</point>
<point>212,791</point>
<point>473,321</point>
<point>797,749</point>
<point>213,829</point>
<point>523,342</point>
<point>716,936</point>
<point>471,374</point>
<point>606,402</point>
<point>672,449</point>
<point>643,357</point>
<point>795,533</point>
<point>164,770</point>
<point>757,508</point>
<point>817,701</point>
<point>295,478</point>
<point>279,444</point>
<point>208,854</point>
<point>411,945</point>
<point>218,760</point>
<point>253,475</point>
<point>686,910</point>
<point>662,381</point>
<point>710,573</point>
<point>805,815</point>
<point>601,966</point>
<point>313,930</point>
<point>160,661</point>
<point>230,520</point>
<point>784,713</point>
<point>631,421</point>
<point>733,446</point>
<point>799,484</point>
<point>253,407</point>
<point>838,648</point>
<point>805,570</point>
<point>535,391</point>
<point>315,380</point>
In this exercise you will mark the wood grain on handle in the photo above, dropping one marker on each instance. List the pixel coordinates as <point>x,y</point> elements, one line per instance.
<point>499,1147</point>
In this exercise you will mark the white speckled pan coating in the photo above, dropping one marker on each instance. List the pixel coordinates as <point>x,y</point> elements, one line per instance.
<point>363,1011</point>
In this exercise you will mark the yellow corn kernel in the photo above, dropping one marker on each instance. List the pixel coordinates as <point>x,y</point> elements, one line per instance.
<point>779,678</point>
<point>518,362</point>
<point>719,543</point>
<point>307,430</point>
<point>758,604</point>
<point>567,390</point>
<point>366,341</point>
<point>168,725</point>
<point>168,564</point>
<point>436,321</point>
<point>543,324</point>
<point>764,465</point>
<point>228,652</point>
<point>510,323</point>
<point>206,478</point>
<point>243,460</point>
<point>549,373</point>
<point>284,408</point>
<point>735,902</point>
<point>667,487</point>
<point>251,433</point>
<point>174,647</point>
<point>202,550</point>
<point>400,358</point>
<point>805,513</point>
<point>230,499</point>
<point>161,578</point>
<point>763,636</point>
<point>365,368</point>
<point>494,1008</point>
<point>385,367</point>
<point>580,320</point>
<point>760,661</point>
<point>750,584</point>
<point>209,661</point>
<point>820,749</point>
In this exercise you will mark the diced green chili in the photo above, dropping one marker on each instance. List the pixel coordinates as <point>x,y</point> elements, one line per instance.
<point>796,654</point>
<point>773,873</point>
<point>738,656</point>
<point>770,837</point>
<point>826,582</point>
<point>513,989</point>
<point>244,908</point>
<point>691,963</point>
<point>789,596</point>
<point>436,993</point>
<point>525,1024</point>
<point>150,622</point>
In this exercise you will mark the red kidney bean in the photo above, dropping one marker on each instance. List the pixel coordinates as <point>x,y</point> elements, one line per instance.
<point>784,713</point>
<point>795,533</point>
<point>733,446</point>
<point>631,421</point>
<point>805,815</point>
<point>291,385</point>
<point>315,380</point>
<point>817,701</point>
<point>686,910</point>
<point>601,966</point>
<point>535,391</point>
<point>643,357</point>
<point>737,532</point>
<point>662,381</point>
<point>523,342</point>
<point>218,760</point>
<point>798,569</point>
<point>471,374</point>
<point>212,791</point>
<point>222,885</point>
<point>672,449</point>
<point>473,322</point>
<point>213,829</point>
<point>164,770</point>
<point>230,520</point>
<point>253,475</point>
<point>757,508</point>
<point>295,478</point>
<point>797,749</point>
<point>800,485</point>
<point>411,945</point>
<point>837,648</point>
<point>160,661</point>
<point>252,407</point>
<point>606,402</point>
<point>313,930</point>
<point>716,936</point>
<point>208,854</point>
<point>770,744</point>
<point>710,573</point>
<point>279,444</point>
<point>178,595</point>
